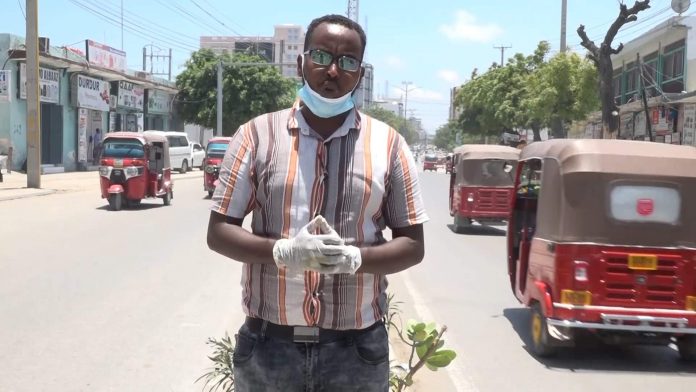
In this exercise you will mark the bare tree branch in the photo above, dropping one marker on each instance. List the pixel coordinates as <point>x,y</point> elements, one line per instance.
<point>617,50</point>
<point>586,42</point>
<point>625,16</point>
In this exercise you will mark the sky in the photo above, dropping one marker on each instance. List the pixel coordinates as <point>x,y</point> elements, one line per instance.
<point>432,44</point>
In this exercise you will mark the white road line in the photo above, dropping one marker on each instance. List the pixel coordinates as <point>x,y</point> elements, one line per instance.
<point>456,370</point>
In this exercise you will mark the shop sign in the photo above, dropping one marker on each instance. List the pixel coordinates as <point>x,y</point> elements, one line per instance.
<point>91,93</point>
<point>105,56</point>
<point>689,133</point>
<point>130,96</point>
<point>5,85</point>
<point>158,102</point>
<point>82,135</point>
<point>49,84</point>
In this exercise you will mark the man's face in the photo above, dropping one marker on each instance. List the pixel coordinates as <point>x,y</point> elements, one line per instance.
<point>330,81</point>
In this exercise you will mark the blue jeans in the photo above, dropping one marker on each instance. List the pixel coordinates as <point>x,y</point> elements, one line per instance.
<point>358,363</point>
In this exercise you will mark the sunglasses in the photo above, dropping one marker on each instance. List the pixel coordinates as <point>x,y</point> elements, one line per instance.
<point>324,58</point>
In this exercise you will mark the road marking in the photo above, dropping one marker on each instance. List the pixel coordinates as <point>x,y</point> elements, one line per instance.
<point>456,370</point>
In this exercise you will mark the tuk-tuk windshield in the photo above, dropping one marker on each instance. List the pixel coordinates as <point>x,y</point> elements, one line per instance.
<point>217,150</point>
<point>430,158</point>
<point>484,172</point>
<point>115,148</point>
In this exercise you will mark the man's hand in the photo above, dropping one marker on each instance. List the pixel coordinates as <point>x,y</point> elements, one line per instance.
<point>349,261</point>
<point>314,245</point>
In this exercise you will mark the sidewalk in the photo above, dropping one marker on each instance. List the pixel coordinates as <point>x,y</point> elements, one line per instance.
<point>14,185</point>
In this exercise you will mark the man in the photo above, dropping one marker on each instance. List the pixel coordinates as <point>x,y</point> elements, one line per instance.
<point>323,182</point>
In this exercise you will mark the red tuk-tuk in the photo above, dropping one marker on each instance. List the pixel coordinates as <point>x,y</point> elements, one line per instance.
<point>481,183</point>
<point>430,163</point>
<point>135,166</point>
<point>602,239</point>
<point>214,153</point>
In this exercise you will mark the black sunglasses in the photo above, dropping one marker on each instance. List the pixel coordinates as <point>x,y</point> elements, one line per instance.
<point>324,58</point>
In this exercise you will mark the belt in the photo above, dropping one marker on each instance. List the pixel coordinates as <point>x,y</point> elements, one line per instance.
<point>303,334</point>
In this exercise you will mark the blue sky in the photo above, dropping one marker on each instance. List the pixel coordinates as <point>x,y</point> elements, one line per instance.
<point>434,44</point>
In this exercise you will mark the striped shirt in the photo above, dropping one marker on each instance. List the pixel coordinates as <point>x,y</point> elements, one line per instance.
<point>362,179</point>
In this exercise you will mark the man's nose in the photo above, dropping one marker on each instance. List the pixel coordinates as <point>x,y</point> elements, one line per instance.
<point>333,69</point>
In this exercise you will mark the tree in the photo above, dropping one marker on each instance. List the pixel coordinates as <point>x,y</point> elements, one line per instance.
<point>561,91</point>
<point>248,91</point>
<point>601,57</point>
<point>400,124</point>
<point>446,136</point>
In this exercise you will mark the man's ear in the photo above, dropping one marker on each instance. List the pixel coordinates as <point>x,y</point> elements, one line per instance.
<point>299,66</point>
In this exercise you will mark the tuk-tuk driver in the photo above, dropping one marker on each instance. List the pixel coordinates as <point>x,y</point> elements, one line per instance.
<point>323,181</point>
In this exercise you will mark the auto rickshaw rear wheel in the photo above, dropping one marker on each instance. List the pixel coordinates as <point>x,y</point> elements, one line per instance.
<point>461,224</point>
<point>116,201</point>
<point>167,198</point>
<point>687,347</point>
<point>542,341</point>
<point>210,194</point>
<point>134,202</point>
<point>184,167</point>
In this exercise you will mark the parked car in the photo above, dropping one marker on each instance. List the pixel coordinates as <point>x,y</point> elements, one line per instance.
<point>197,156</point>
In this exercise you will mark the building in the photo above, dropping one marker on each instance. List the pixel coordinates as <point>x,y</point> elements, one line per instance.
<point>668,56</point>
<point>365,92</point>
<point>84,93</point>
<point>283,47</point>
<point>393,105</point>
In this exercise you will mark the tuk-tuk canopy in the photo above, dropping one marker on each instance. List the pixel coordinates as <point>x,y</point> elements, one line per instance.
<point>617,192</point>
<point>146,138</point>
<point>484,165</point>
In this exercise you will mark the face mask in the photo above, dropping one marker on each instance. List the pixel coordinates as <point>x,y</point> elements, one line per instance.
<point>322,106</point>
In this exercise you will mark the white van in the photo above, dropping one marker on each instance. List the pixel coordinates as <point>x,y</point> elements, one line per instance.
<point>180,151</point>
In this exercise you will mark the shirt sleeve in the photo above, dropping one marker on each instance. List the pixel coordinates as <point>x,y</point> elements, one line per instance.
<point>404,205</point>
<point>235,191</point>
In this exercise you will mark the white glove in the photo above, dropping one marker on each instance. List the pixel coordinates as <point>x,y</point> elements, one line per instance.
<point>348,263</point>
<point>314,245</point>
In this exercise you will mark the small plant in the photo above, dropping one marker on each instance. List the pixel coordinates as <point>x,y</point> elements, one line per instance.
<point>425,341</point>
<point>220,377</point>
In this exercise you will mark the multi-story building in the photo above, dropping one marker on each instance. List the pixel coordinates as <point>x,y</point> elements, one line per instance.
<point>365,91</point>
<point>393,105</point>
<point>290,39</point>
<point>666,55</point>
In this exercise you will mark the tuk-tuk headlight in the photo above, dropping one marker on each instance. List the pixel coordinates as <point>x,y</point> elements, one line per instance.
<point>470,198</point>
<point>691,303</point>
<point>133,171</point>
<point>210,169</point>
<point>105,171</point>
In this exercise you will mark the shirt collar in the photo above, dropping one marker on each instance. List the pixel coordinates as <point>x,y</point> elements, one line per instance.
<point>297,121</point>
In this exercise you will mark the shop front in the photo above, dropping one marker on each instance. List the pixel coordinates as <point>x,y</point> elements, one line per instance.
<point>91,97</point>
<point>158,110</point>
<point>51,112</point>
<point>127,106</point>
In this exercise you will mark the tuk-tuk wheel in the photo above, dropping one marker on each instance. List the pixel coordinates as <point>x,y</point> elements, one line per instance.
<point>168,198</point>
<point>210,194</point>
<point>134,203</point>
<point>184,167</point>
<point>687,347</point>
<point>116,201</point>
<point>461,224</point>
<point>542,342</point>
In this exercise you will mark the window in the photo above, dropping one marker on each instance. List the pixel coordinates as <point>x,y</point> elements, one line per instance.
<point>636,203</point>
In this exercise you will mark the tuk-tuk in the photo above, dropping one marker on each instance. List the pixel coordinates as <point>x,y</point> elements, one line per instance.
<point>602,240</point>
<point>135,166</point>
<point>430,162</point>
<point>214,153</point>
<point>481,183</point>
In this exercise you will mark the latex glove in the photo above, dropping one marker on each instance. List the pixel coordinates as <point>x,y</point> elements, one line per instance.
<point>315,244</point>
<point>348,263</point>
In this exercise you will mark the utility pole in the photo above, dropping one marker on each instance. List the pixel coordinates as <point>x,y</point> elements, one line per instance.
<point>502,53</point>
<point>218,131</point>
<point>648,124</point>
<point>33,104</point>
<point>406,90</point>
<point>564,16</point>
<point>121,24</point>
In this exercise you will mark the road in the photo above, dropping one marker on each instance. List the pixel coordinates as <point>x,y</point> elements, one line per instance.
<point>95,300</point>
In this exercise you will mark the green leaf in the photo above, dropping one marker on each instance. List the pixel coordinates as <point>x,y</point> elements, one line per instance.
<point>431,367</point>
<point>441,358</point>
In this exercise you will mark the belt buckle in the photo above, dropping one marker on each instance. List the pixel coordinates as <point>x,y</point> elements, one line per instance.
<point>305,334</point>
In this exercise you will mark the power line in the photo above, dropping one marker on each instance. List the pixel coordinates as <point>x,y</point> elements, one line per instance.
<point>213,17</point>
<point>217,11</point>
<point>19,2</point>
<point>186,14</point>
<point>134,29</point>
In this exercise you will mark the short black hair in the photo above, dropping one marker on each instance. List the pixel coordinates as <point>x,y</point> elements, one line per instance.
<point>339,20</point>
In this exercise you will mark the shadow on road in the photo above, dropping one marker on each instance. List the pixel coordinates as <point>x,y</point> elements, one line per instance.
<point>142,206</point>
<point>478,230</point>
<point>591,354</point>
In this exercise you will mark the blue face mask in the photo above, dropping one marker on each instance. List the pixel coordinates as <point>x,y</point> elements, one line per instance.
<point>322,106</point>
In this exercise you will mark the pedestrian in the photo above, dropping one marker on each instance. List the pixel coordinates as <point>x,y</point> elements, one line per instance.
<point>97,145</point>
<point>323,182</point>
